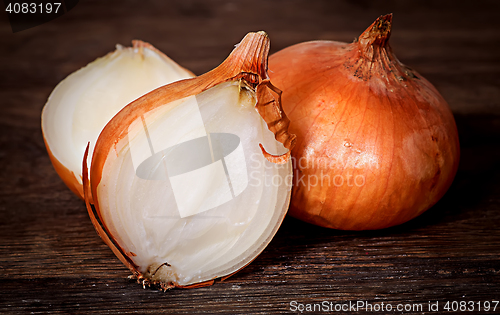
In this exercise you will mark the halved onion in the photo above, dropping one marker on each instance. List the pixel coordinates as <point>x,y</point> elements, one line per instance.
<point>83,103</point>
<point>182,188</point>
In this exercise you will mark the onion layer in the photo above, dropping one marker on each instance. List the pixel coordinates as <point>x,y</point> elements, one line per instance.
<point>182,192</point>
<point>83,103</point>
<point>377,144</point>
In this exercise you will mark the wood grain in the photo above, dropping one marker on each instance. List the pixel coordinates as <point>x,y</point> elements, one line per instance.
<point>52,260</point>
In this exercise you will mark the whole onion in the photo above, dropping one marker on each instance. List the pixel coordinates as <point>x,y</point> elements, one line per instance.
<point>377,144</point>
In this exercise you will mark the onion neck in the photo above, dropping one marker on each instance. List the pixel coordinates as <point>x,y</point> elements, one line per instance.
<point>375,38</point>
<point>248,60</point>
<point>371,55</point>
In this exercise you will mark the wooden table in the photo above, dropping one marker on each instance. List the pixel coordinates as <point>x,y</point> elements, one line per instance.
<point>52,261</point>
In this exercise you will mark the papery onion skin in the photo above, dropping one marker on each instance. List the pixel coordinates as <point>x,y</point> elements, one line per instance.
<point>137,54</point>
<point>247,63</point>
<point>381,134</point>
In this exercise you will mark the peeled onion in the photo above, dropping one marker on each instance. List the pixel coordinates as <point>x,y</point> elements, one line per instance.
<point>83,103</point>
<point>377,144</point>
<point>190,182</point>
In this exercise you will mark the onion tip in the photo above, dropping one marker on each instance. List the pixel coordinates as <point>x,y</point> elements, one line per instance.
<point>378,33</point>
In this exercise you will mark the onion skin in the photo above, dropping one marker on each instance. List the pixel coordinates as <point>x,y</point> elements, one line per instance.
<point>68,177</point>
<point>248,62</point>
<point>361,115</point>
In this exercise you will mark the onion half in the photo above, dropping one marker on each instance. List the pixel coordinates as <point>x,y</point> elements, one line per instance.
<point>83,103</point>
<point>180,185</point>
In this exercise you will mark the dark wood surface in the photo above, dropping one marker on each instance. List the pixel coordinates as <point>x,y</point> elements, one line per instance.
<point>52,261</point>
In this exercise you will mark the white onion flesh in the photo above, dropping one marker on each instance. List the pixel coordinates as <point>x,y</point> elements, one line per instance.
<point>143,215</point>
<point>83,103</point>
